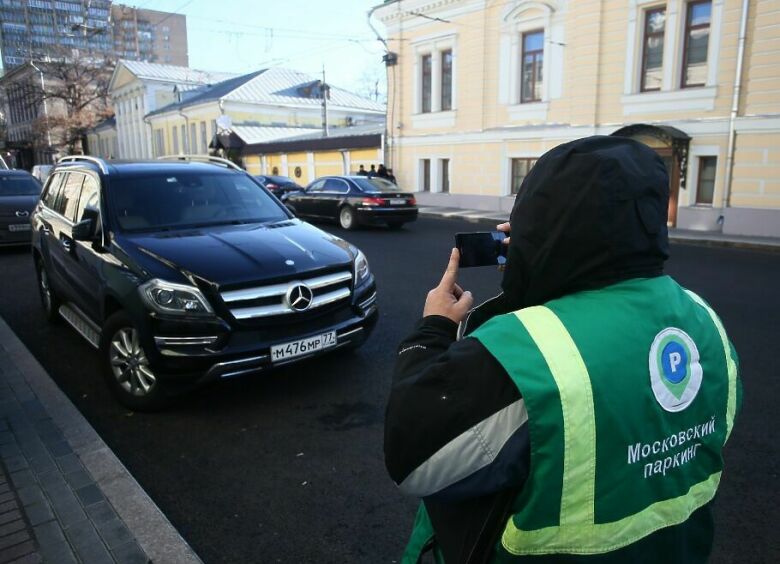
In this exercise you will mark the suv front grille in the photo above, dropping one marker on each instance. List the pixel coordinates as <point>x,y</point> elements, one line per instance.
<point>272,300</point>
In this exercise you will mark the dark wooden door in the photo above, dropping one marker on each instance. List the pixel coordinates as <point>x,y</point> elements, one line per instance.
<point>673,169</point>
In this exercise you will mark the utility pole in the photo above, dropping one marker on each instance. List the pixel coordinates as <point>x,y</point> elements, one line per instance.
<point>324,88</point>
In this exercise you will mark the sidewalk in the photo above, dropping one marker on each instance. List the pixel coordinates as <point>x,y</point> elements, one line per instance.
<point>675,235</point>
<point>64,496</point>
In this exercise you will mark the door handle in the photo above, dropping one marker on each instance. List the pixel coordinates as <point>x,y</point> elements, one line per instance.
<point>66,244</point>
<point>46,230</point>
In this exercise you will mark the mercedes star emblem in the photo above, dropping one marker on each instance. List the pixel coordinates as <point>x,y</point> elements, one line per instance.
<point>299,297</point>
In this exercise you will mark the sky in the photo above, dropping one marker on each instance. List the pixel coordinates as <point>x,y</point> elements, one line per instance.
<point>246,35</point>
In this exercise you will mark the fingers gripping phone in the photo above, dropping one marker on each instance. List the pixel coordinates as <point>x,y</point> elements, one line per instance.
<point>483,248</point>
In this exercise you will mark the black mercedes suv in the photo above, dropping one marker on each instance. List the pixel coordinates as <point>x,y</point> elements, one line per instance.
<point>185,270</point>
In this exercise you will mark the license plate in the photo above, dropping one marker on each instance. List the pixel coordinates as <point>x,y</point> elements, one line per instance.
<point>19,227</point>
<point>304,346</point>
<point>397,201</point>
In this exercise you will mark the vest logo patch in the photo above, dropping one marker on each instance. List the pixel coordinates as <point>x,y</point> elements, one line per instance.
<point>675,371</point>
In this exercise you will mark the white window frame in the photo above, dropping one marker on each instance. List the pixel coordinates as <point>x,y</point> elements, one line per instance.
<point>671,97</point>
<point>440,174</point>
<point>695,153</point>
<point>434,45</point>
<point>419,181</point>
<point>515,23</point>
<point>506,168</point>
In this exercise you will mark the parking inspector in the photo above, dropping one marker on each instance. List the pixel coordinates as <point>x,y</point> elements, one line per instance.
<point>580,415</point>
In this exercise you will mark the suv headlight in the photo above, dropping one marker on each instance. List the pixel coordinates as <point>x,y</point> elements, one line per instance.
<point>362,271</point>
<point>167,297</point>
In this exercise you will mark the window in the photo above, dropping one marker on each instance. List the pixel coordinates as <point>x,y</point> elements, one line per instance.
<point>532,66</point>
<point>204,144</point>
<point>697,38</point>
<point>705,187</point>
<point>520,169</point>
<point>336,186</point>
<point>184,144</point>
<point>193,138</point>
<point>426,83</point>
<point>446,80</point>
<point>445,175</point>
<point>426,175</point>
<point>175,133</point>
<point>315,187</point>
<point>653,50</point>
<point>89,197</point>
<point>69,196</point>
<point>160,142</point>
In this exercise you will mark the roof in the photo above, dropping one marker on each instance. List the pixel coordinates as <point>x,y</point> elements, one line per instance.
<point>108,123</point>
<point>278,87</point>
<point>173,73</point>
<point>355,137</point>
<point>251,134</point>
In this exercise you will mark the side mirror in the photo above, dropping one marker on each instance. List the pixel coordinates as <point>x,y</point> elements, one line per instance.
<point>86,229</point>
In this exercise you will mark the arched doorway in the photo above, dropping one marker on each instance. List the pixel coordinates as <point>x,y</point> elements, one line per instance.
<point>671,144</point>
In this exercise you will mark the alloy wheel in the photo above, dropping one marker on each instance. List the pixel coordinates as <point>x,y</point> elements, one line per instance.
<point>346,218</point>
<point>129,363</point>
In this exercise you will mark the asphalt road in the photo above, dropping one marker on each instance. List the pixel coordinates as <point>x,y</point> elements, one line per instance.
<point>288,467</point>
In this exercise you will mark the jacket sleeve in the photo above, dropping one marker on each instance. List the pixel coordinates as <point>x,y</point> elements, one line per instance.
<point>456,427</point>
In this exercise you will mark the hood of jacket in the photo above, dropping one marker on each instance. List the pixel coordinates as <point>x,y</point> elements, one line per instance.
<point>590,213</point>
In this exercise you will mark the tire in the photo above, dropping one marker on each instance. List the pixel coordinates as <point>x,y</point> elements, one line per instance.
<point>49,300</point>
<point>395,225</point>
<point>126,367</point>
<point>347,218</point>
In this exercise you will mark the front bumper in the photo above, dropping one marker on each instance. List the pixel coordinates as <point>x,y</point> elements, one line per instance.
<point>373,215</point>
<point>185,361</point>
<point>8,237</point>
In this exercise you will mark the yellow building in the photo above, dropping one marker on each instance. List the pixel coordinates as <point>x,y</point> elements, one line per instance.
<point>478,89</point>
<point>252,109</point>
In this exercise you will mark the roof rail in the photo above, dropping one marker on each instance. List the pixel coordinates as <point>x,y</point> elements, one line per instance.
<point>201,159</point>
<point>86,158</point>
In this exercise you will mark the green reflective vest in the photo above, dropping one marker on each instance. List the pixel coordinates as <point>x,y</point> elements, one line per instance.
<point>631,393</point>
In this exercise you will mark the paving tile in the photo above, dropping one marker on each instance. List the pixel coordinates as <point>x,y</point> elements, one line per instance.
<point>9,516</point>
<point>13,539</point>
<point>22,478</point>
<point>69,463</point>
<point>7,496</point>
<point>67,508</point>
<point>14,463</point>
<point>52,480</point>
<point>59,553</point>
<point>114,533</point>
<point>12,527</point>
<point>33,558</point>
<point>42,463</point>
<point>31,494</point>
<point>8,506</point>
<point>130,553</point>
<point>10,449</point>
<point>95,554</point>
<point>59,448</point>
<point>101,512</point>
<point>6,437</point>
<point>18,550</point>
<point>38,513</point>
<point>90,494</point>
<point>49,533</point>
<point>79,479</point>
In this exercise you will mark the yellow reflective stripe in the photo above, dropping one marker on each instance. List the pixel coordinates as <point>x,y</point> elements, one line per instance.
<point>731,403</point>
<point>579,421</point>
<point>607,537</point>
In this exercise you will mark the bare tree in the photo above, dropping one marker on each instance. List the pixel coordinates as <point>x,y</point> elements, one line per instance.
<point>76,96</point>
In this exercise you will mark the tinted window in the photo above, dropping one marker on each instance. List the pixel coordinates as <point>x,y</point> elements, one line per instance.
<point>336,185</point>
<point>316,186</point>
<point>189,199</point>
<point>375,184</point>
<point>53,190</point>
<point>19,186</point>
<point>89,197</point>
<point>281,180</point>
<point>69,195</point>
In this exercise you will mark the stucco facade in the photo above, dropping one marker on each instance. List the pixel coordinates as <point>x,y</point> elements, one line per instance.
<point>594,60</point>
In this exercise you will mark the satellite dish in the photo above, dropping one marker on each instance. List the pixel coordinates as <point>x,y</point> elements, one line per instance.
<point>224,122</point>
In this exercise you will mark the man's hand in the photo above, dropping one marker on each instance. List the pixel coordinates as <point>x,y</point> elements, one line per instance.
<point>504,228</point>
<point>448,299</point>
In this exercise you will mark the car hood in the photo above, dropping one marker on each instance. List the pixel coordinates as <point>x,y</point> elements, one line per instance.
<point>238,254</point>
<point>9,205</point>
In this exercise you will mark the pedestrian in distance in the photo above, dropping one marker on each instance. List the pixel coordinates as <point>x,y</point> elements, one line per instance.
<point>381,172</point>
<point>580,415</point>
<point>362,171</point>
<point>372,172</point>
<point>391,176</point>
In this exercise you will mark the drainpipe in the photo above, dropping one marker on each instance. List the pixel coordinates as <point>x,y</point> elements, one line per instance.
<point>734,110</point>
<point>186,135</point>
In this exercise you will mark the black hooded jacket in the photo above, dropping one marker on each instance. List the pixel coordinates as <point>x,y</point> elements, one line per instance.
<point>589,214</point>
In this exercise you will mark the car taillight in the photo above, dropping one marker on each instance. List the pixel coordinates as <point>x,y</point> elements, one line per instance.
<point>373,202</point>
<point>412,201</point>
<point>271,186</point>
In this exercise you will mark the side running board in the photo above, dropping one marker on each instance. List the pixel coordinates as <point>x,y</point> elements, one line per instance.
<point>81,323</point>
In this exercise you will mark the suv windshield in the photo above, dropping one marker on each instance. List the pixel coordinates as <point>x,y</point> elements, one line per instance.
<point>187,199</point>
<point>19,186</point>
<point>375,185</point>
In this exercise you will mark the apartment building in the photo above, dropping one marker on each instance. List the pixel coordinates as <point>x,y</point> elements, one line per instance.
<point>479,89</point>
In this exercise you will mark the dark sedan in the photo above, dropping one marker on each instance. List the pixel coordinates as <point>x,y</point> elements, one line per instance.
<point>19,192</point>
<point>353,201</point>
<point>279,185</point>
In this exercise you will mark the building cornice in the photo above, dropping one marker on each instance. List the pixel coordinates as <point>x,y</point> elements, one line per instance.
<point>393,13</point>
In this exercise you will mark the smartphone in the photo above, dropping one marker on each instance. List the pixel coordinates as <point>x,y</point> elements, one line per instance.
<point>484,248</point>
